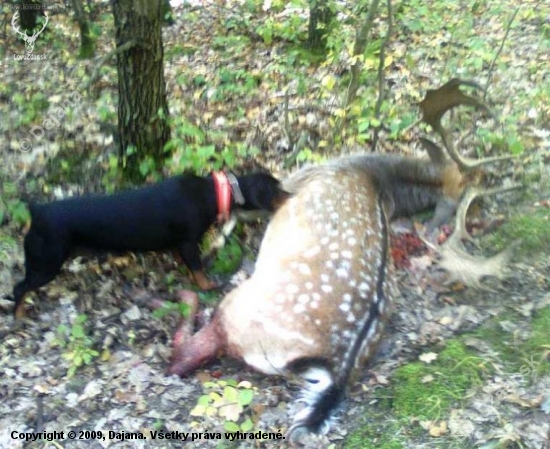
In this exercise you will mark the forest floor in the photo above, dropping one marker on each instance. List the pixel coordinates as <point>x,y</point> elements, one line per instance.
<point>459,367</point>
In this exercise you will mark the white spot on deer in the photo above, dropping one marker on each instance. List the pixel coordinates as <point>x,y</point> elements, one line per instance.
<point>299,308</point>
<point>292,289</point>
<point>324,240</point>
<point>326,288</point>
<point>342,273</point>
<point>352,241</point>
<point>344,307</point>
<point>304,269</point>
<point>309,285</point>
<point>349,232</point>
<point>364,287</point>
<point>280,298</point>
<point>329,264</point>
<point>318,322</point>
<point>325,277</point>
<point>347,297</point>
<point>313,304</point>
<point>333,246</point>
<point>347,254</point>
<point>334,216</point>
<point>350,318</point>
<point>312,252</point>
<point>303,298</point>
<point>334,256</point>
<point>316,296</point>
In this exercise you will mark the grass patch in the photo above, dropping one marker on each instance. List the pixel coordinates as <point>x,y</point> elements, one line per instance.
<point>427,391</point>
<point>514,351</point>
<point>372,435</point>
<point>533,229</point>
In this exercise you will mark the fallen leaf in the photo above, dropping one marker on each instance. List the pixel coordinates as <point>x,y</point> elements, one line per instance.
<point>427,357</point>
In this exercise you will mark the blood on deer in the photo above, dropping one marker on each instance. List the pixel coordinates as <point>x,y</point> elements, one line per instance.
<point>323,286</point>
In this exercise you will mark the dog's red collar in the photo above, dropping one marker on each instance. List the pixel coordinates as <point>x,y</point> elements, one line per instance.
<point>226,185</point>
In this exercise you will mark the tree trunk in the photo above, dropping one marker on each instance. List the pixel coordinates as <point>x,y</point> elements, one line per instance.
<point>87,44</point>
<point>142,107</point>
<point>28,14</point>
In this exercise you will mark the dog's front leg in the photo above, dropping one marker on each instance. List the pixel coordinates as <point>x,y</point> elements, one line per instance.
<point>190,253</point>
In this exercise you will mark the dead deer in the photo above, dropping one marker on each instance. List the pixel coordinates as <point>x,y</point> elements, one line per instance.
<point>323,286</point>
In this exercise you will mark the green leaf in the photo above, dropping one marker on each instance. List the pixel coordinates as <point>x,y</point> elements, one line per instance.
<point>247,425</point>
<point>231,426</point>
<point>230,394</point>
<point>204,400</point>
<point>245,397</point>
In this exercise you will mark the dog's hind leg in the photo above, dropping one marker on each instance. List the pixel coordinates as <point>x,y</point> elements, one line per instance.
<point>32,281</point>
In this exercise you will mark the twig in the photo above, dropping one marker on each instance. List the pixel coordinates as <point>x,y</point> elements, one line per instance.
<point>104,59</point>
<point>381,78</point>
<point>361,37</point>
<point>493,62</point>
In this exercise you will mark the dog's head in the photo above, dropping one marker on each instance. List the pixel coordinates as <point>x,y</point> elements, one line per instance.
<point>262,191</point>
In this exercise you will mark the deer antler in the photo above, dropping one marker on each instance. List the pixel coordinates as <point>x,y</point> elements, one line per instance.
<point>14,25</point>
<point>461,265</point>
<point>437,102</point>
<point>36,33</point>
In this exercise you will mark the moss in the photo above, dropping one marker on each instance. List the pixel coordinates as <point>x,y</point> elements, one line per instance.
<point>376,433</point>
<point>537,345</point>
<point>533,229</point>
<point>428,391</point>
<point>512,350</point>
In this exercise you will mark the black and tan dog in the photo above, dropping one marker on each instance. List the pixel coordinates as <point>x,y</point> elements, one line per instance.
<point>174,213</point>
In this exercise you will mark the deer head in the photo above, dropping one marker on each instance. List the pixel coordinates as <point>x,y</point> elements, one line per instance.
<point>323,286</point>
<point>29,40</point>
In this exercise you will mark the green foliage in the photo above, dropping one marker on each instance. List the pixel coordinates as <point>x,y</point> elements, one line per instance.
<point>228,400</point>
<point>191,149</point>
<point>516,351</point>
<point>31,107</point>
<point>533,229</point>
<point>367,437</point>
<point>171,307</point>
<point>229,257</point>
<point>428,390</point>
<point>77,345</point>
<point>12,206</point>
<point>7,245</point>
<point>106,108</point>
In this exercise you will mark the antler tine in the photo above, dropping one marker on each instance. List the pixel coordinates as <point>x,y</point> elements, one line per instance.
<point>460,232</point>
<point>14,23</point>
<point>460,264</point>
<point>438,101</point>
<point>43,26</point>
